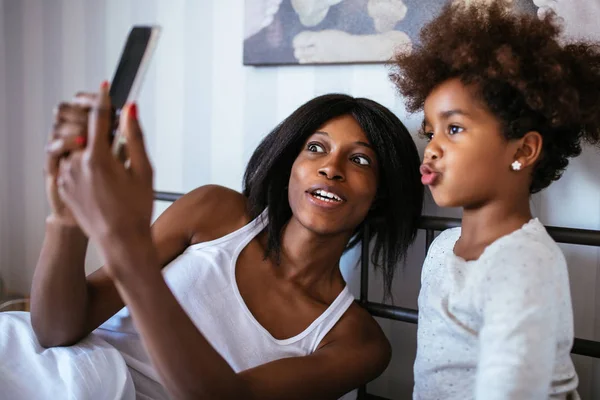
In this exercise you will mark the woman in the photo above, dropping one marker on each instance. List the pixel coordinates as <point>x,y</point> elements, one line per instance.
<point>251,303</point>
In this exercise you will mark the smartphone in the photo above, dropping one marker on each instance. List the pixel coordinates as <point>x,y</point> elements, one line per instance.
<point>128,77</point>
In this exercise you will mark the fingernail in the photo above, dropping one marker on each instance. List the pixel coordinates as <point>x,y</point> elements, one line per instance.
<point>54,146</point>
<point>80,140</point>
<point>104,85</point>
<point>133,111</point>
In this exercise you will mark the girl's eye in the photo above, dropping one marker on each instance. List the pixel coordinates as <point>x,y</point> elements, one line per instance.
<point>426,135</point>
<point>453,129</point>
<point>362,160</point>
<point>315,148</point>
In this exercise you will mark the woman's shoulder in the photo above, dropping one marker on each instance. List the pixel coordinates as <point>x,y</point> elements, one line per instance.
<point>211,212</point>
<point>358,327</point>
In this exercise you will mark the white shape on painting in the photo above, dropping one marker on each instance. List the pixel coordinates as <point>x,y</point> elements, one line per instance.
<point>386,13</point>
<point>313,12</point>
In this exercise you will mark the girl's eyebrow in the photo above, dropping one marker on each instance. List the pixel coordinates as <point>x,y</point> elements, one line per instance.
<point>449,113</point>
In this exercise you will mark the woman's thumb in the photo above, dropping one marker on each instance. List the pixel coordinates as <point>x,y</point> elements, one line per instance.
<point>138,158</point>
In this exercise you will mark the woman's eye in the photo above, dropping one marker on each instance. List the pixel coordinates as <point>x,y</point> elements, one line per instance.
<point>361,160</point>
<point>315,148</point>
<point>453,129</point>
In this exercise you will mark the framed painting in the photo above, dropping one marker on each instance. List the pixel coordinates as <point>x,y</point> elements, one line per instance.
<point>279,32</point>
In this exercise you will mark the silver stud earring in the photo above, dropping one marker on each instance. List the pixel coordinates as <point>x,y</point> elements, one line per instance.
<point>516,166</point>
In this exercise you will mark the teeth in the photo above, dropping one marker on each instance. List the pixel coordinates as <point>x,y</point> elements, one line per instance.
<point>327,196</point>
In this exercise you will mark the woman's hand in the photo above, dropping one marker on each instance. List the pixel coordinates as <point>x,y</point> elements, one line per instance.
<point>69,134</point>
<point>111,202</point>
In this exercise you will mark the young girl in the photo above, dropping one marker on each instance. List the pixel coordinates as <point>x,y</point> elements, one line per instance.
<point>251,303</point>
<point>505,105</point>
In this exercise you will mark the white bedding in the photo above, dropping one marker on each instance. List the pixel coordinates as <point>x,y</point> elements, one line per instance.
<point>91,369</point>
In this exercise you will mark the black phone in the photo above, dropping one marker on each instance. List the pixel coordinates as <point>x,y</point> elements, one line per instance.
<point>126,82</point>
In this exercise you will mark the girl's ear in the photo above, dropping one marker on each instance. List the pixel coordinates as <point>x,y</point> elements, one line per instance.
<point>529,149</point>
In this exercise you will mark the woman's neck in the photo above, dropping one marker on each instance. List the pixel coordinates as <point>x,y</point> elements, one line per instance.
<point>308,258</point>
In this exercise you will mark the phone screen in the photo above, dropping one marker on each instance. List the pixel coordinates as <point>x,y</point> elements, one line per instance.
<point>128,76</point>
<point>129,64</point>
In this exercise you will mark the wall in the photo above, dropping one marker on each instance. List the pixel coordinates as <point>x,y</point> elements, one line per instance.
<point>203,114</point>
<point>4,232</point>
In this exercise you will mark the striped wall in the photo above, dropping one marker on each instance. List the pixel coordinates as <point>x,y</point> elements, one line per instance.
<point>203,114</point>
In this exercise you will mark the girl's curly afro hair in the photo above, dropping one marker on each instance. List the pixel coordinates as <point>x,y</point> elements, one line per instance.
<point>522,72</point>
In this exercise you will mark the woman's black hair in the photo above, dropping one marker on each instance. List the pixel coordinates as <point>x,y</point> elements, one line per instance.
<point>394,217</point>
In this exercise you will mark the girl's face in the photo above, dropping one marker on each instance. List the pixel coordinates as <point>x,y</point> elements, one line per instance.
<point>467,162</point>
<point>334,178</point>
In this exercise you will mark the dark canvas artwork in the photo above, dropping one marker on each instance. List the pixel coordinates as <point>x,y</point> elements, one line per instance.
<point>338,31</point>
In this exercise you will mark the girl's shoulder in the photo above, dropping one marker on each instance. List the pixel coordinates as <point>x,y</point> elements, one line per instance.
<point>441,249</point>
<point>444,242</point>
<point>529,245</point>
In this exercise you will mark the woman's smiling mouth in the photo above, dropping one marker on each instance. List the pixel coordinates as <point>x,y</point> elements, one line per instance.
<point>325,197</point>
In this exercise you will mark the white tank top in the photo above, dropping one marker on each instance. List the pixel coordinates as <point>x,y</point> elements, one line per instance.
<point>202,279</point>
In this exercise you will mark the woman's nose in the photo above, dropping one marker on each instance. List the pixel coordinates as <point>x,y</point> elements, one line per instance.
<point>332,170</point>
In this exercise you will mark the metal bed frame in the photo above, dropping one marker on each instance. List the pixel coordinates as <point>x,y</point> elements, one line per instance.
<point>431,225</point>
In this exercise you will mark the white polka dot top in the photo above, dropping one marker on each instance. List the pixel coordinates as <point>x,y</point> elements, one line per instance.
<point>499,327</point>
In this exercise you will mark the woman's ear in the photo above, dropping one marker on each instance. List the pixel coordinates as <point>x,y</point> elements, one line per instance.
<point>529,149</point>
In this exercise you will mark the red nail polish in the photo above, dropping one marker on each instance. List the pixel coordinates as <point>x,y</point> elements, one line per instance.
<point>133,111</point>
<point>104,85</point>
<point>80,140</point>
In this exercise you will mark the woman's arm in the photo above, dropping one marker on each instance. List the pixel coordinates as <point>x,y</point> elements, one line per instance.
<point>67,305</point>
<point>58,289</point>
<point>353,353</point>
<point>58,292</point>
